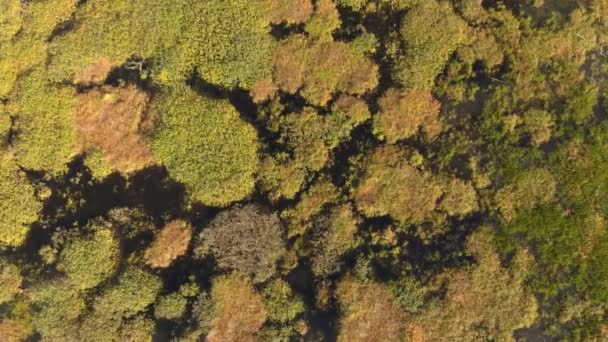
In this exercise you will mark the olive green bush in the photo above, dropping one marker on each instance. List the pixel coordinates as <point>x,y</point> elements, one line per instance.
<point>204,144</point>
<point>19,206</point>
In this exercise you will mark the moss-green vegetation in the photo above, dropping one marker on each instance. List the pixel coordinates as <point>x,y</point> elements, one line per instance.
<point>204,144</point>
<point>429,33</point>
<point>10,281</point>
<point>89,261</point>
<point>19,206</point>
<point>134,290</point>
<point>45,140</point>
<point>171,306</point>
<point>179,37</point>
<point>280,302</point>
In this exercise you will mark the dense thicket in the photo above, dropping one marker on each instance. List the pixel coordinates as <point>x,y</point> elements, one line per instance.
<point>299,170</point>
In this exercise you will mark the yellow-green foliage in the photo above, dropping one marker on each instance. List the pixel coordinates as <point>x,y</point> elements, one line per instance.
<point>138,329</point>
<point>238,310</point>
<point>530,189</point>
<point>390,186</point>
<point>204,144</point>
<point>460,198</point>
<point>324,22</point>
<point>101,327</point>
<point>19,206</point>
<point>98,165</point>
<point>335,236</point>
<point>351,109</point>
<point>430,32</point>
<point>281,177</point>
<point>34,21</point>
<point>171,306</point>
<point>487,302</point>
<point>43,118</point>
<point>368,310</point>
<point>87,261</point>
<point>10,18</point>
<point>539,125</point>
<point>135,290</point>
<point>321,68</point>
<point>311,138</point>
<point>311,204</point>
<point>354,4</point>
<point>57,307</point>
<point>5,122</point>
<point>10,281</point>
<point>227,42</point>
<point>280,302</point>
<point>115,30</point>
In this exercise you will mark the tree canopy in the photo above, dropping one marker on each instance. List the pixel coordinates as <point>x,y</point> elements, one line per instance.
<point>303,170</point>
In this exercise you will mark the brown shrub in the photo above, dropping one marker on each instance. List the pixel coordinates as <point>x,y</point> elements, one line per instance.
<point>289,11</point>
<point>111,120</point>
<point>170,243</point>
<point>289,66</point>
<point>238,310</point>
<point>247,239</point>
<point>263,90</point>
<point>403,113</point>
<point>369,313</point>
<point>95,73</point>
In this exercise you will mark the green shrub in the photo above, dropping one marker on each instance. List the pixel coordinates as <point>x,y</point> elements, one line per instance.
<point>134,290</point>
<point>280,302</point>
<point>430,32</point>
<point>10,281</point>
<point>89,261</point>
<point>43,118</point>
<point>171,306</point>
<point>204,144</point>
<point>19,206</point>
<point>227,43</point>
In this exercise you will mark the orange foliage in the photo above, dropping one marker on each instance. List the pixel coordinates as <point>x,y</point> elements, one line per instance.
<point>238,310</point>
<point>321,69</point>
<point>290,11</point>
<point>111,120</point>
<point>369,313</point>
<point>289,66</point>
<point>95,73</point>
<point>403,113</point>
<point>12,331</point>
<point>263,90</point>
<point>169,244</point>
<point>391,186</point>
